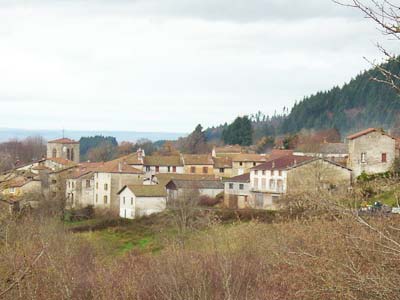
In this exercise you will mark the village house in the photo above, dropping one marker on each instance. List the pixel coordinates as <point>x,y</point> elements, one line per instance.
<point>141,200</point>
<point>198,164</point>
<point>371,151</point>
<point>180,187</point>
<point>242,163</point>
<point>226,150</point>
<point>64,148</point>
<point>223,167</point>
<point>157,164</point>
<point>20,186</point>
<point>291,174</point>
<point>237,192</point>
<point>109,179</point>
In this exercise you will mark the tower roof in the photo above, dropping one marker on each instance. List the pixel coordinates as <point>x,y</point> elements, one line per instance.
<point>63,141</point>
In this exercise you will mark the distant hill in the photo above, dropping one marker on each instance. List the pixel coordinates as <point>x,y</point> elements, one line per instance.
<point>359,104</point>
<point>132,136</point>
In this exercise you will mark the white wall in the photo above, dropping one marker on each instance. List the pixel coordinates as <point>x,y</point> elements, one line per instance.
<point>257,177</point>
<point>134,206</point>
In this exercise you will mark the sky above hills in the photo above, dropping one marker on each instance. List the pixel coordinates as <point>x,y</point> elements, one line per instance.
<point>167,65</point>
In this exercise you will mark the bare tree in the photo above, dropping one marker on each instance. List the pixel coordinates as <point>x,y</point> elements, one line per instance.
<point>386,15</point>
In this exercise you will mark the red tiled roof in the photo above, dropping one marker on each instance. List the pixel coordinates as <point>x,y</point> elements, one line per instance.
<point>366,131</point>
<point>195,159</point>
<point>222,162</point>
<point>241,178</point>
<point>64,141</point>
<point>62,161</point>
<point>283,163</point>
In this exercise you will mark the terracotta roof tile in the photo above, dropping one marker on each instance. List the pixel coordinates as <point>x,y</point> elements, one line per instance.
<point>222,162</point>
<point>282,163</point>
<point>197,184</point>
<point>250,157</point>
<point>194,159</point>
<point>159,160</point>
<point>146,190</point>
<point>366,131</point>
<point>241,178</point>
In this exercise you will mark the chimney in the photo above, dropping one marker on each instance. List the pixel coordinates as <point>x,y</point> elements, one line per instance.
<point>119,167</point>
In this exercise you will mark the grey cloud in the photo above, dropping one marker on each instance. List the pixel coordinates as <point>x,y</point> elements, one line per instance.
<point>215,10</point>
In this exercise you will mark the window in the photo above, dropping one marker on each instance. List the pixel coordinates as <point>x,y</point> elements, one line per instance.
<point>272,172</point>
<point>205,170</point>
<point>12,190</point>
<point>157,169</point>
<point>280,172</point>
<point>363,157</point>
<point>255,172</point>
<point>54,181</point>
<point>221,170</point>
<point>254,164</point>
<point>131,201</point>
<point>169,169</point>
<point>97,198</point>
<point>240,163</point>
<point>280,185</point>
<point>123,200</point>
<point>69,184</point>
<point>256,183</point>
<point>68,154</point>
<point>73,184</point>
<point>263,184</point>
<point>88,183</point>
<point>106,187</point>
<point>97,185</point>
<point>275,199</point>
<point>147,168</point>
<point>54,153</point>
<point>192,169</point>
<point>174,169</point>
<point>263,172</point>
<point>72,198</point>
<point>231,186</point>
<point>105,199</point>
<point>384,157</point>
<point>72,154</point>
<point>272,184</point>
<point>241,186</point>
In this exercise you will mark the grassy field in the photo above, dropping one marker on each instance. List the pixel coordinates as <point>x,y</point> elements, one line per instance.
<point>146,235</point>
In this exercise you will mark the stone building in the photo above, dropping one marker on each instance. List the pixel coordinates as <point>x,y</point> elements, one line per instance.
<point>292,174</point>
<point>237,191</point>
<point>63,148</point>
<point>198,164</point>
<point>371,151</point>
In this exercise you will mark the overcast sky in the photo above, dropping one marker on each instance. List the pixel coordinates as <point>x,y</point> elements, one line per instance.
<point>167,65</point>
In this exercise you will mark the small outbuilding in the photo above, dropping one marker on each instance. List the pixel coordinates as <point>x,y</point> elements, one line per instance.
<point>141,200</point>
<point>178,187</point>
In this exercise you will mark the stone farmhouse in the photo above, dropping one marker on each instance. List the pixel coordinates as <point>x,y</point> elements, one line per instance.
<point>267,183</point>
<point>371,151</point>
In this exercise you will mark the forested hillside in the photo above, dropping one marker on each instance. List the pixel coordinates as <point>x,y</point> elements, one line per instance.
<point>360,103</point>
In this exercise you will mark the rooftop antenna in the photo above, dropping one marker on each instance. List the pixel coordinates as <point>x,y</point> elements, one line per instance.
<point>63,133</point>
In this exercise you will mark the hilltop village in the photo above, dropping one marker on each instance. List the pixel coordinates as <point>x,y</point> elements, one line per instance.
<point>136,184</point>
